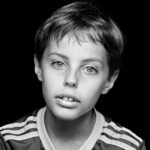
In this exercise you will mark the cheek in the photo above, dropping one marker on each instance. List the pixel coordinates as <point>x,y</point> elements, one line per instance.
<point>90,95</point>
<point>51,82</point>
<point>94,89</point>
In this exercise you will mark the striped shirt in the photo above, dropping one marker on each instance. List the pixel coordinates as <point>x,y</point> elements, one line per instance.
<point>29,133</point>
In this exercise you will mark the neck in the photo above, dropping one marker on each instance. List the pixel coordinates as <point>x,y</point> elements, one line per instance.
<point>69,130</point>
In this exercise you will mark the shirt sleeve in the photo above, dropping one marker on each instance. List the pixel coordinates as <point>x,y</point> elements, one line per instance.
<point>142,146</point>
<point>3,144</point>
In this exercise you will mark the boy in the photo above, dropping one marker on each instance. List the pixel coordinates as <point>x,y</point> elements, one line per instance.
<point>77,58</point>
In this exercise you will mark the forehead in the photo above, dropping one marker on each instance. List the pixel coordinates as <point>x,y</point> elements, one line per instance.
<point>74,49</point>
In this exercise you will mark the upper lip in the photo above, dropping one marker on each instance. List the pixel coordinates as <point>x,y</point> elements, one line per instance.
<point>67,95</point>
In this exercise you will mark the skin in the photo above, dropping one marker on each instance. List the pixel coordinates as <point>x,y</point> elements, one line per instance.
<point>79,70</point>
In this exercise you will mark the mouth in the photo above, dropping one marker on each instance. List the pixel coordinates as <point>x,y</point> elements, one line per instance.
<point>67,101</point>
<point>68,98</point>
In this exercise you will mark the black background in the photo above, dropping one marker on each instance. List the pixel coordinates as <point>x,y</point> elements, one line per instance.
<point>126,103</point>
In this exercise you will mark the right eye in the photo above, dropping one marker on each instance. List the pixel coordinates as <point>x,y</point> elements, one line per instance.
<point>58,65</point>
<point>90,70</point>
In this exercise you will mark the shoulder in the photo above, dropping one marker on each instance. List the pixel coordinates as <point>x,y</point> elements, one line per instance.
<point>22,130</point>
<point>115,136</point>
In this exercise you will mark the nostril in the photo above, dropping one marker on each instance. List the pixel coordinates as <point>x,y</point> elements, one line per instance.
<point>71,79</point>
<point>71,84</point>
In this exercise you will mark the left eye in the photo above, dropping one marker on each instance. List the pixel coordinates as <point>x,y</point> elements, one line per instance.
<point>58,64</point>
<point>90,70</point>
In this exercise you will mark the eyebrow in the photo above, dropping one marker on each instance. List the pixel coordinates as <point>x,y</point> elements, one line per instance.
<point>58,54</point>
<point>88,60</point>
<point>92,60</point>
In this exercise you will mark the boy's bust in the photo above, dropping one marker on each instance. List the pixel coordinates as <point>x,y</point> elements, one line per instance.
<point>77,58</point>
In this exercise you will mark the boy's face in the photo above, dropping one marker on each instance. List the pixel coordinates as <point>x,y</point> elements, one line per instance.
<point>73,76</point>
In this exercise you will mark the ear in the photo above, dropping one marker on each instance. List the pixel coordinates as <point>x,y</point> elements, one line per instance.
<point>37,69</point>
<point>110,83</point>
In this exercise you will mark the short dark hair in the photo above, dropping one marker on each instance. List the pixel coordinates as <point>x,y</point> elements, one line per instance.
<point>82,19</point>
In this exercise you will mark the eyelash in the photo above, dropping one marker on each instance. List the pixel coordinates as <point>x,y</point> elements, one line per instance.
<point>60,65</point>
<point>57,64</point>
<point>89,68</point>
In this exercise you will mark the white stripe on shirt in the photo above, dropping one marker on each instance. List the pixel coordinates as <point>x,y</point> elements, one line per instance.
<point>123,129</point>
<point>116,143</point>
<point>20,131</point>
<point>21,137</point>
<point>19,124</point>
<point>121,136</point>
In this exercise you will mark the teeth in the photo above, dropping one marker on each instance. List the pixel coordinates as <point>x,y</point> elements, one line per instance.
<point>68,99</point>
<point>65,98</point>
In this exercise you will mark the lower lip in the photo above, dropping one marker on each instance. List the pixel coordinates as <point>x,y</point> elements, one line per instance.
<point>67,104</point>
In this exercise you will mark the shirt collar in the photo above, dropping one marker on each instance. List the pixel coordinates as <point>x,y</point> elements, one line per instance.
<point>87,145</point>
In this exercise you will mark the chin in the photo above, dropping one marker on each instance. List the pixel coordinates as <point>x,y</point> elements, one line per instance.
<point>67,114</point>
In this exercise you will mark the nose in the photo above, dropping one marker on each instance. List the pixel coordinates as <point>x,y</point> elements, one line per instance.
<point>71,79</point>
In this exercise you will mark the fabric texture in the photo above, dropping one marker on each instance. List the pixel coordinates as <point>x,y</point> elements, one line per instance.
<point>29,133</point>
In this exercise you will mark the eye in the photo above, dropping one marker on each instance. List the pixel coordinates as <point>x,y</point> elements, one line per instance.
<point>90,70</point>
<point>58,65</point>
